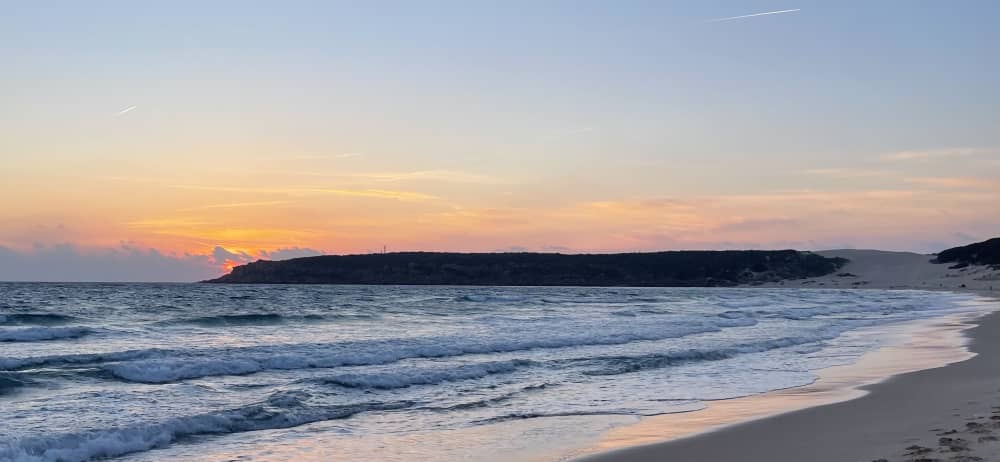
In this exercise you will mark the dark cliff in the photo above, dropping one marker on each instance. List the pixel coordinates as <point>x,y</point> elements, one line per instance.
<point>680,268</point>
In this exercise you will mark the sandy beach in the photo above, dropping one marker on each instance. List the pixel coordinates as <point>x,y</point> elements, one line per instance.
<point>879,269</point>
<point>949,413</point>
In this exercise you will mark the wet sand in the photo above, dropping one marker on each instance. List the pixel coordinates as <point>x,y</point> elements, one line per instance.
<point>948,413</point>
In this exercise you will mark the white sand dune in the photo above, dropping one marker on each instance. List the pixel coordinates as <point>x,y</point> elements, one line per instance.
<point>879,269</point>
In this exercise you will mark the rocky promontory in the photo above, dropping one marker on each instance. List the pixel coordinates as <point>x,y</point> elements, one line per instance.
<point>666,269</point>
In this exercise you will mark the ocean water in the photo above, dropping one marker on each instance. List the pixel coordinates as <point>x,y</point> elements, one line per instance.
<point>214,372</point>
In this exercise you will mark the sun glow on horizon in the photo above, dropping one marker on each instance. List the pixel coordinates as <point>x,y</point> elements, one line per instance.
<point>228,266</point>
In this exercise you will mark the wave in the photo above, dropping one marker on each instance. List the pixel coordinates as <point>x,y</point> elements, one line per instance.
<point>403,378</point>
<point>635,299</point>
<point>747,303</point>
<point>491,298</point>
<point>13,364</point>
<point>279,411</point>
<point>733,314</point>
<point>263,319</point>
<point>625,313</point>
<point>38,334</point>
<point>174,370</point>
<point>640,312</point>
<point>677,406</point>
<point>537,415</point>
<point>256,319</point>
<point>235,320</point>
<point>809,312</point>
<point>615,365</point>
<point>163,366</point>
<point>590,300</point>
<point>35,318</point>
<point>487,402</point>
<point>10,382</point>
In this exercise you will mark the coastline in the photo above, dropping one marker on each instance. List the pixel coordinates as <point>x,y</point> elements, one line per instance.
<point>895,403</point>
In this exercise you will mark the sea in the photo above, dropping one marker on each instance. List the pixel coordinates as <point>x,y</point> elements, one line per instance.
<point>206,372</point>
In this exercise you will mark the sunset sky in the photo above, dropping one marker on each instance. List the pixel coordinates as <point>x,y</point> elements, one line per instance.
<point>169,140</point>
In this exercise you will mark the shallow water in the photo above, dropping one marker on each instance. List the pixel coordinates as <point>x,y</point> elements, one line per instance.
<point>212,372</point>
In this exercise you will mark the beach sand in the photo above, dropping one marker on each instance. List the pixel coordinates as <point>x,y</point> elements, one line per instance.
<point>878,269</point>
<point>948,413</point>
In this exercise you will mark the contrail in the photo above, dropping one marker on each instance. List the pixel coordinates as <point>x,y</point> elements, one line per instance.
<point>752,15</point>
<point>126,110</point>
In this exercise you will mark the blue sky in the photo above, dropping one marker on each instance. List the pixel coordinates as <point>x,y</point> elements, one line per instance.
<point>340,126</point>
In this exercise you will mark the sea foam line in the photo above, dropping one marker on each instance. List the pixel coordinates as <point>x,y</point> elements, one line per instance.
<point>162,366</point>
<point>277,412</point>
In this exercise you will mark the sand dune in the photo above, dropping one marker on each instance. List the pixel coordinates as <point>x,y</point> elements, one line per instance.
<point>879,269</point>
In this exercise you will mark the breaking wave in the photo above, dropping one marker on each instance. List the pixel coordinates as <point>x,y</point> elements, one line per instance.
<point>35,318</point>
<point>38,334</point>
<point>402,378</point>
<point>491,298</point>
<point>279,411</point>
<point>264,319</point>
<point>10,382</point>
<point>161,366</point>
<point>95,372</point>
<point>616,365</point>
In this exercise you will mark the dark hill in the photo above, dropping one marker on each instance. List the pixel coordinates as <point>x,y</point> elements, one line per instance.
<point>681,268</point>
<point>980,253</point>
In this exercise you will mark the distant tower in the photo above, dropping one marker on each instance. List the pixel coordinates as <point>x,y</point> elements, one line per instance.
<point>383,250</point>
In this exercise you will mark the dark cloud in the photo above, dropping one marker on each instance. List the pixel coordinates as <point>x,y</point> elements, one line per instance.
<point>221,256</point>
<point>965,237</point>
<point>125,263</point>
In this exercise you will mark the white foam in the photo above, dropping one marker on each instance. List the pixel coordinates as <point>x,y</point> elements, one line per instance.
<point>402,378</point>
<point>622,365</point>
<point>607,353</point>
<point>184,365</point>
<point>172,370</point>
<point>115,442</point>
<point>83,358</point>
<point>485,298</point>
<point>162,366</point>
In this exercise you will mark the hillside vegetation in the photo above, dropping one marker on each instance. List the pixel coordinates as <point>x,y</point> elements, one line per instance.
<point>980,253</point>
<point>680,268</point>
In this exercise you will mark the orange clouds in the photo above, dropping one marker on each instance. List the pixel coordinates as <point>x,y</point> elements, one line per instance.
<point>759,220</point>
<point>956,182</point>
<point>751,220</point>
<point>937,154</point>
<point>254,212</point>
<point>313,191</point>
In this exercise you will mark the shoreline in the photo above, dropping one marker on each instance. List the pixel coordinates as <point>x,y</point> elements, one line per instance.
<point>872,409</point>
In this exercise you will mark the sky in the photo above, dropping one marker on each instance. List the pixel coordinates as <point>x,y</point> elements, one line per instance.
<point>169,141</point>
